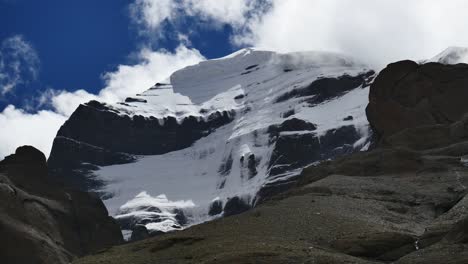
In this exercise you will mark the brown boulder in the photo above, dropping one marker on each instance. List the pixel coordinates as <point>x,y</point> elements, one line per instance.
<point>407,95</point>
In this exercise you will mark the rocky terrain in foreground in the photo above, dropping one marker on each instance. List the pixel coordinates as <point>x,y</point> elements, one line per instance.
<point>403,201</point>
<point>43,223</point>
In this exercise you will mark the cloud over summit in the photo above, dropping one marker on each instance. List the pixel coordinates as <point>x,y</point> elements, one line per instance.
<point>378,32</point>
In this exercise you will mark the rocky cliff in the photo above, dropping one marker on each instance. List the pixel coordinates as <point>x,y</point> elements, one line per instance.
<point>41,222</point>
<point>409,95</point>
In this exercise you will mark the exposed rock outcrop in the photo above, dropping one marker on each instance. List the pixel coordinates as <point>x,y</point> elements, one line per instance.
<point>96,135</point>
<point>327,88</point>
<point>41,222</point>
<point>407,95</point>
<point>235,205</point>
<point>295,151</point>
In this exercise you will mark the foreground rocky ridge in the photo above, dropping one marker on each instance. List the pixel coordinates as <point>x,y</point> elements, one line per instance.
<point>41,222</point>
<point>404,201</point>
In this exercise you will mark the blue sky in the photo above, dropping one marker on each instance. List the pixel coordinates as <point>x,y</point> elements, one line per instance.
<point>77,41</point>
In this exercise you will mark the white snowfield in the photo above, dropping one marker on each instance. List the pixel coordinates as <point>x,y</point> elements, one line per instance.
<point>451,55</point>
<point>247,82</point>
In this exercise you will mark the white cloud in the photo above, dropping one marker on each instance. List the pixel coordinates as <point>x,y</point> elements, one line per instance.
<point>224,11</point>
<point>155,66</point>
<point>379,32</point>
<point>20,128</point>
<point>39,129</point>
<point>19,63</point>
<point>65,103</point>
<point>150,14</point>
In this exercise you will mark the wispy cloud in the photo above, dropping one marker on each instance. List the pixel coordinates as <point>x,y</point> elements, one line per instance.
<point>378,32</point>
<point>152,15</point>
<point>19,64</point>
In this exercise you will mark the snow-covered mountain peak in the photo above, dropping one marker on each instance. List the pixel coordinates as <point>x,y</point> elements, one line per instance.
<point>218,136</point>
<point>246,67</point>
<point>452,55</point>
<point>240,53</point>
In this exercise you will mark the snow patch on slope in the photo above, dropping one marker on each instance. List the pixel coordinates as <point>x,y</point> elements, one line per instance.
<point>207,79</point>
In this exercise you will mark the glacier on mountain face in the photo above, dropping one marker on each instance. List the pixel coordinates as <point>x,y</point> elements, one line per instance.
<point>451,55</point>
<point>176,189</point>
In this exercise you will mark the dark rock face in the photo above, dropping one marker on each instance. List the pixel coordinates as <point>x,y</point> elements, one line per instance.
<point>95,134</point>
<point>137,135</point>
<point>226,166</point>
<point>251,67</point>
<point>72,162</point>
<point>298,150</point>
<point>135,100</point>
<point>406,95</point>
<point>289,147</point>
<point>240,96</point>
<point>252,166</point>
<point>235,205</point>
<point>292,124</point>
<point>328,88</point>
<point>288,113</point>
<point>139,232</point>
<point>26,162</point>
<point>216,208</point>
<point>26,154</point>
<point>43,223</point>
<point>294,151</point>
